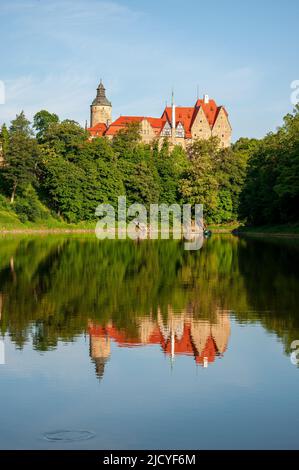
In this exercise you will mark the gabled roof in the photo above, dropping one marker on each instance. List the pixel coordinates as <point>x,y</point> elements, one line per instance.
<point>183,115</point>
<point>210,109</point>
<point>186,115</point>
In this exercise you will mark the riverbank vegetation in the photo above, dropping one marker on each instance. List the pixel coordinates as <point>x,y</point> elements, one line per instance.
<point>52,176</point>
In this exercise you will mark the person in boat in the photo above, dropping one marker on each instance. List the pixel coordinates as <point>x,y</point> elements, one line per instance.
<point>206,231</point>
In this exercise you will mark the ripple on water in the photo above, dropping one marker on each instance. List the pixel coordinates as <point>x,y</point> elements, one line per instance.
<point>67,435</point>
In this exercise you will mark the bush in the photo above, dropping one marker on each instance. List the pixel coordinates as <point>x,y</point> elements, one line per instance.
<point>29,208</point>
<point>4,203</point>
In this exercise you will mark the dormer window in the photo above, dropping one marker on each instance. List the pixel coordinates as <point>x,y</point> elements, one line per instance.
<point>166,131</point>
<point>180,131</point>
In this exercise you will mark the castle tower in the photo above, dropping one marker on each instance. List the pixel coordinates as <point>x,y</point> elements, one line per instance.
<point>101,108</point>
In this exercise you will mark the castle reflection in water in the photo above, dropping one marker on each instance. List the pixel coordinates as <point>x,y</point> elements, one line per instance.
<point>178,334</point>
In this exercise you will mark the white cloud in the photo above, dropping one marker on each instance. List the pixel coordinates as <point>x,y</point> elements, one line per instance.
<point>63,94</point>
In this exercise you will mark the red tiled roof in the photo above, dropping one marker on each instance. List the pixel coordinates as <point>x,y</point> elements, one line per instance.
<point>182,346</point>
<point>97,130</point>
<point>187,115</point>
<point>209,352</point>
<point>184,114</point>
<point>121,337</point>
<point>210,109</point>
<point>123,121</point>
<point>96,330</point>
<point>155,122</point>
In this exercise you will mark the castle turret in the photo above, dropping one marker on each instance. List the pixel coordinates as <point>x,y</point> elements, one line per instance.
<point>101,108</point>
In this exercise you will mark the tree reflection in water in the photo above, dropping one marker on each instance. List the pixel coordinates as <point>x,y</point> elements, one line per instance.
<point>56,288</point>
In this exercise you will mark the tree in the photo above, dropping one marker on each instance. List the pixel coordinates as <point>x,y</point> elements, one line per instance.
<point>103,180</point>
<point>170,167</point>
<point>199,184</point>
<point>230,170</point>
<point>63,182</point>
<point>41,122</point>
<point>126,140</point>
<point>66,138</point>
<point>21,156</point>
<point>271,190</point>
<point>4,141</point>
<point>287,182</point>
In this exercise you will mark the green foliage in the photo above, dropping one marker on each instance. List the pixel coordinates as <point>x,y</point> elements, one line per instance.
<point>230,170</point>
<point>66,138</point>
<point>140,176</point>
<point>170,167</point>
<point>214,178</point>
<point>271,191</point>
<point>4,140</point>
<point>255,181</point>
<point>199,184</point>
<point>29,208</point>
<point>63,180</point>
<point>42,121</point>
<point>21,157</point>
<point>72,174</point>
<point>4,204</point>
<point>126,140</point>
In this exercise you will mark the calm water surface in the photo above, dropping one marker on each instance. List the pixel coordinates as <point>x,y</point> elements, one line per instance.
<point>122,345</point>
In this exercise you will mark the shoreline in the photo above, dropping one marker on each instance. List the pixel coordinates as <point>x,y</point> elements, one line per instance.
<point>45,231</point>
<point>254,233</point>
<point>267,234</point>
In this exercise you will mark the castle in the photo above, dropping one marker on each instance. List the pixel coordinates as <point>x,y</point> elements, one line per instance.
<point>180,125</point>
<point>178,334</point>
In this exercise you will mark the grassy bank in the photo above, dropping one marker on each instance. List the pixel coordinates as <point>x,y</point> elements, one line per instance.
<point>10,222</point>
<point>223,228</point>
<point>273,230</point>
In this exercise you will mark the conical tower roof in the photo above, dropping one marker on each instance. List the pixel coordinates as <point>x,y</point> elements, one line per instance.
<point>101,99</point>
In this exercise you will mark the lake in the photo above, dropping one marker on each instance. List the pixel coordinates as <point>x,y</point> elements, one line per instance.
<point>125,345</point>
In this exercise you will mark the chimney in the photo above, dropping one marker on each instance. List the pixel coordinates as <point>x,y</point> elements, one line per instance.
<point>206,99</point>
<point>173,120</point>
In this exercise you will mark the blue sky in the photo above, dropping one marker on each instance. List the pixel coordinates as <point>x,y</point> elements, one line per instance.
<point>243,54</point>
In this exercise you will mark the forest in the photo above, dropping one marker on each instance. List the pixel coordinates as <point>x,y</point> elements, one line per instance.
<point>51,170</point>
